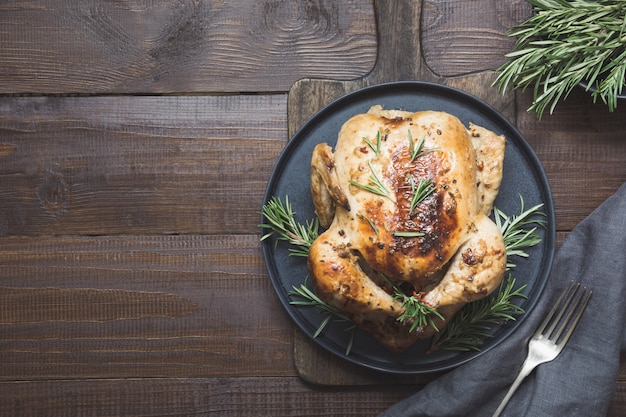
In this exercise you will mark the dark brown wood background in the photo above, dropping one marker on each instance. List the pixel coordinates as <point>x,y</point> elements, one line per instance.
<point>136,139</point>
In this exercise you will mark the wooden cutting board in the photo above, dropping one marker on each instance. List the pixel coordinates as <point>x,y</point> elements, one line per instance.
<point>400,58</point>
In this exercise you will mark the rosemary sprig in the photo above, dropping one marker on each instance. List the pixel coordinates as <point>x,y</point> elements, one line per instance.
<point>518,232</point>
<point>309,299</point>
<point>282,223</point>
<point>417,313</point>
<point>377,187</point>
<point>375,148</point>
<point>417,150</point>
<point>468,329</point>
<point>420,190</point>
<point>563,44</point>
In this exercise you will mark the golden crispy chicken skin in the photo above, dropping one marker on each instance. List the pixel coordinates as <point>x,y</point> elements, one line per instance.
<point>365,194</point>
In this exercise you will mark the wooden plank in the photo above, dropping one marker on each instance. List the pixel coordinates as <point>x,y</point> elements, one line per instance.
<point>223,397</point>
<point>109,165</point>
<point>134,47</point>
<point>96,46</point>
<point>138,307</point>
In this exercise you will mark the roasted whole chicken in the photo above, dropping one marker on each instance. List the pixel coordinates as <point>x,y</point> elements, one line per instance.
<point>405,199</point>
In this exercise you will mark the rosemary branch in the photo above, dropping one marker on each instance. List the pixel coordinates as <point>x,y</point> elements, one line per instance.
<point>468,329</point>
<point>417,313</point>
<point>517,230</point>
<point>420,190</point>
<point>564,43</point>
<point>418,150</point>
<point>282,223</point>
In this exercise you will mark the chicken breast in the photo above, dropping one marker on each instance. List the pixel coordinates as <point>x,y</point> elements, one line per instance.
<point>405,198</point>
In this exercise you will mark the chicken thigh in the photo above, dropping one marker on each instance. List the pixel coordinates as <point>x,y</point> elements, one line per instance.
<point>405,198</point>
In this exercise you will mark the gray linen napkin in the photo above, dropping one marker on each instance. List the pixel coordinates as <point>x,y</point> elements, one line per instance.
<point>581,380</point>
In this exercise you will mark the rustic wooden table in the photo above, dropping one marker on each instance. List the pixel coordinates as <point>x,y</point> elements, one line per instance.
<point>136,140</point>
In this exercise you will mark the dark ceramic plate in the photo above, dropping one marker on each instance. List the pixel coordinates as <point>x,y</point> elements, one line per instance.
<point>523,176</point>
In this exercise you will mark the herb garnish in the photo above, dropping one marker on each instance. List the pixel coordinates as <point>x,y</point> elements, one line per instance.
<point>565,43</point>
<point>417,150</point>
<point>371,223</point>
<point>408,234</point>
<point>417,313</point>
<point>470,326</point>
<point>282,223</point>
<point>516,232</point>
<point>420,190</point>
<point>377,186</point>
<point>309,299</point>
<point>375,148</point>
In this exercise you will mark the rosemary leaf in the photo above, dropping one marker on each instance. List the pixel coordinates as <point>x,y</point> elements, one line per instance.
<point>408,234</point>
<point>371,223</point>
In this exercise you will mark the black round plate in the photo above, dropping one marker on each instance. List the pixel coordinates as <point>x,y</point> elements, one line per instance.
<point>523,176</point>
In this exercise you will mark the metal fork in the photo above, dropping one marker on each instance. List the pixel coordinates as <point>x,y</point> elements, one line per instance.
<point>548,340</point>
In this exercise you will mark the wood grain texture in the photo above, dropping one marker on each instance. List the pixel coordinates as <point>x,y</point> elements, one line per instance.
<point>139,307</point>
<point>183,46</point>
<point>234,397</point>
<point>461,36</point>
<point>582,147</point>
<point>78,305</point>
<point>132,173</point>
<point>110,165</point>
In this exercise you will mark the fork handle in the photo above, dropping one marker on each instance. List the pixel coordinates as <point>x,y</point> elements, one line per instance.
<point>523,373</point>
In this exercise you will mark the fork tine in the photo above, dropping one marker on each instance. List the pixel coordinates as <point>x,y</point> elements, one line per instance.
<point>565,308</point>
<point>574,322</point>
<point>556,306</point>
